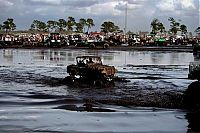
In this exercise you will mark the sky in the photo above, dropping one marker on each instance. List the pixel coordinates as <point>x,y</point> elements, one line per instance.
<point>140,13</point>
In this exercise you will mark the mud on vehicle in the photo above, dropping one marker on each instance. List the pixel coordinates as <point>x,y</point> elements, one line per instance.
<point>90,70</point>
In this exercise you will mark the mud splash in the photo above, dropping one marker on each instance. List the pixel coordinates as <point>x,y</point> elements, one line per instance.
<point>124,93</point>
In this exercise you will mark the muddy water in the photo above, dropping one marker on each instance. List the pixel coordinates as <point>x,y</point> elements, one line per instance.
<point>33,97</point>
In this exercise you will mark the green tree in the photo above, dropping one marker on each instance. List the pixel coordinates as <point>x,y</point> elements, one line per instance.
<point>61,24</point>
<point>42,26</point>
<point>89,23</point>
<point>83,23</point>
<point>34,25</point>
<point>161,27</point>
<point>39,25</point>
<point>51,25</point>
<point>79,27</point>
<point>154,25</point>
<point>183,29</point>
<point>9,25</point>
<point>157,26</point>
<point>174,25</point>
<point>109,27</point>
<point>70,23</point>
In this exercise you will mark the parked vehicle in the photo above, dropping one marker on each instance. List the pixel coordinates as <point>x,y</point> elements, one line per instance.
<point>94,42</point>
<point>74,39</point>
<point>133,39</point>
<point>54,40</point>
<point>8,39</point>
<point>160,41</point>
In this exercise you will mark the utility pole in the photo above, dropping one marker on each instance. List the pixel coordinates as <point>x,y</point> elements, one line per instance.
<point>126,13</point>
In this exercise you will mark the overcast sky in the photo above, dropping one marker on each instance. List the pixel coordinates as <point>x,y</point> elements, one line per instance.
<point>140,12</point>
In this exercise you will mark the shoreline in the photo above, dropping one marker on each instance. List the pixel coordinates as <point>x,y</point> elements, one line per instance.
<point>111,48</point>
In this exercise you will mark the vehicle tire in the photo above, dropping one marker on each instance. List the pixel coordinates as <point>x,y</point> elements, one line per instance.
<point>25,43</point>
<point>98,83</point>
<point>106,45</point>
<point>191,96</point>
<point>92,45</point>
<point>68,80</point>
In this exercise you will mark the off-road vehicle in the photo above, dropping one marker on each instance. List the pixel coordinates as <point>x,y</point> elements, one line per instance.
<point>90,70</point>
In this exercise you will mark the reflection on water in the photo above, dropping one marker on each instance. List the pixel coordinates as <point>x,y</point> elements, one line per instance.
<point>55,56</point>
<point>8,55</point>
<point>65,57</point>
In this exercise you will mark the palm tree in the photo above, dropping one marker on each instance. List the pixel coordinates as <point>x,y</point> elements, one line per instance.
<point>9,25</point>
<point>174,25</point>
<point>161,27</point>
<point>89,23</point>
<point>82,21</point>
<point>70,23</point>
<point>42,26</point>
<point>183,29</point>
<point>79,27</point>
<point>155,26</point>
<point>51,25</point>
<point>61,24</point>
<point>35,24</point>
<point>39,25</point>
<point>109,27</point>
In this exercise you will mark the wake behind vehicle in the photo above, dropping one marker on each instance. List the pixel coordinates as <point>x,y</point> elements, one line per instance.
<point>90,70</point>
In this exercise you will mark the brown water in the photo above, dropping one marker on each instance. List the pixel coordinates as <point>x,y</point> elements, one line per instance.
<point>32,98</point>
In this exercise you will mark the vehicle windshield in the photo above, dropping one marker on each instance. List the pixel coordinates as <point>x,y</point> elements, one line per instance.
<point>88,59</point>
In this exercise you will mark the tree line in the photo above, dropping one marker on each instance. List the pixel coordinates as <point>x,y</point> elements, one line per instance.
<point>61,25</point>
<point>69,25</point>
<point>175,26</point>
<point>83,26</point>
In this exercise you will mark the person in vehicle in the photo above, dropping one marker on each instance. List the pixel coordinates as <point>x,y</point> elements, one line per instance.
<point>90,60</point>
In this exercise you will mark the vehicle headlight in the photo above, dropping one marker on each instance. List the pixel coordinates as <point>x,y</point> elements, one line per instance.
<point>52,40</point>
